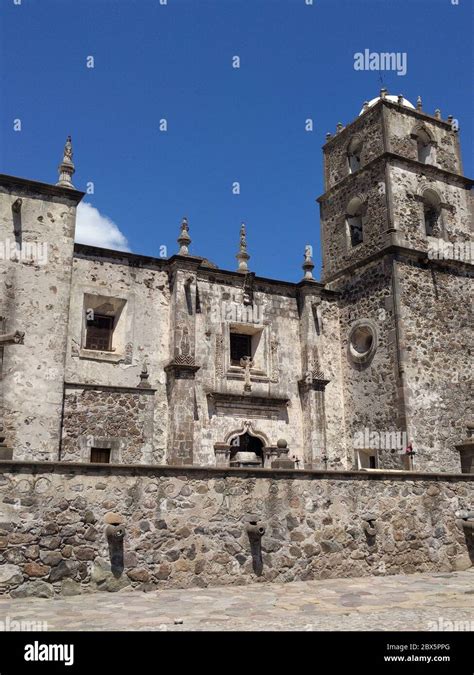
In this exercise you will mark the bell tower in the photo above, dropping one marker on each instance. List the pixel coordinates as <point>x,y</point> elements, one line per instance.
<point>397,241</point>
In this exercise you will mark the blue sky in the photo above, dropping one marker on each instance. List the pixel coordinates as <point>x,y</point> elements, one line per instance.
<point>225,125</point>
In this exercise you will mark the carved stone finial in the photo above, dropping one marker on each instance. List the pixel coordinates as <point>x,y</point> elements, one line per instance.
<point>144,375</point>
<point>383,92</point>
<point>328,136</point>
<point>419,103</point>
<point>66,168</point>
<point>365,106</point>
<point>184,239</point>
<point>242,256</point>
<point>339,127</point>
<point>400,99</point>
<point>450,119</point>
<point>438,114</point>
<point>308,264</point>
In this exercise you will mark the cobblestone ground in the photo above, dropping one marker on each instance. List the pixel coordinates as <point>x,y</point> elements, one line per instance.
<point>370,603</point>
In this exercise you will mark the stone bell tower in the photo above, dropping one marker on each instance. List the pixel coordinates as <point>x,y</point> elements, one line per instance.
<point>397,242</point>
<point>37,223</point>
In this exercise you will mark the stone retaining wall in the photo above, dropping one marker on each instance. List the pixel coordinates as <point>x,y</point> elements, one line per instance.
<point>189,526</point>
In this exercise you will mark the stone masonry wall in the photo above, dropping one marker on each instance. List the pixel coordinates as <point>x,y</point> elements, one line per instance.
<point>369,128</point>
<point>144,327</point>
<point>370,186</point>
<point>119,419</point>
<point>401,124</point>
<point>274,314</point>
<point>407,187</point>
<point>436,321</point>
<point>187,527</point>
<point>370,390</point>
<point>34,299</point>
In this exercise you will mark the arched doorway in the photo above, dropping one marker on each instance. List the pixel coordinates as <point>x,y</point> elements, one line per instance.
<point>247,443</point>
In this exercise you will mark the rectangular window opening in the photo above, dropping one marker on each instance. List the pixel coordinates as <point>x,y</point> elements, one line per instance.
<point>100,455</point>
<point>99,333</point>
<point>240,346</point>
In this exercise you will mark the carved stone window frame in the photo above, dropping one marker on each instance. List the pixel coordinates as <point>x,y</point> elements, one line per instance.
<point>421,129</point>
<point>88,441</point>
<point>347,225</point>
<point>444,208</point>
<point>87,297</point>
<point>356,141</point>
<point>260,350</point>
<point>357,357</point>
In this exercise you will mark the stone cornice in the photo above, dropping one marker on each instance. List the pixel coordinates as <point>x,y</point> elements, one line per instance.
<point>110,387</point>
<point>121,257</point>
<point>394,157</point>
<point>36,188</point>
<point>249,399</point>
<point>176,365</point>
<point>212,274</point>
<point>401,252</point>
<point>347,130</point>
<point>68,468</point>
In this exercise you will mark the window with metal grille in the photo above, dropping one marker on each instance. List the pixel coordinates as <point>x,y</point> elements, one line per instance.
<point>99,333</point>
<point>100,455</point>
<point>240,346</point>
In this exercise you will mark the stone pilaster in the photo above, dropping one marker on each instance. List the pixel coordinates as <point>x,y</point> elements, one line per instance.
<point>314,421</point>
<point>313,383</point>
<point>181,412</point>
<point>222,452</point>
<point>182,369</point>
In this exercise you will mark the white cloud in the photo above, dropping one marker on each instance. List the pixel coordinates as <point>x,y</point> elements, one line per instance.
<point>95,229</point>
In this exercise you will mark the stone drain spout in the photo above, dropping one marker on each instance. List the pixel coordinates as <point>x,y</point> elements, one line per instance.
<point>115,533</point>
<point>255,531</point>
<point>370,526</point>
<point>465,521</point>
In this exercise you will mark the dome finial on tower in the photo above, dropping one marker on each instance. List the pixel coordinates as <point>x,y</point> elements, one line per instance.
<point>66,168</point>
<point>184,239</point>
<point>308,264</point>
<point>242,256</point>
<point>419,104</point>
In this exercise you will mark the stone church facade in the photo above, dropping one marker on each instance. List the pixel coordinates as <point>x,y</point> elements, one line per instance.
<point>115,357</point>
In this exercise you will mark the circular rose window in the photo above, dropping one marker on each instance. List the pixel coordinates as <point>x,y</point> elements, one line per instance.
<point>362,341</point>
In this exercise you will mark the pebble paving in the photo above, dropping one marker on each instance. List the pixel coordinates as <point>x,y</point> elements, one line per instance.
<point>399,603</point>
